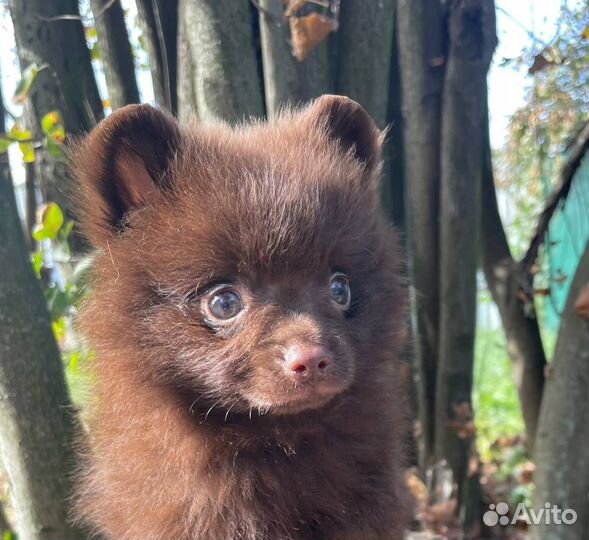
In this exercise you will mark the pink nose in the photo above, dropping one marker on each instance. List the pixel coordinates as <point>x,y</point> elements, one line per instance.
<point>307,360</point>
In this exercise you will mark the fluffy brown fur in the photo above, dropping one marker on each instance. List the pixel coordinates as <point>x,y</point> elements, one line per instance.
<point>198,431</point>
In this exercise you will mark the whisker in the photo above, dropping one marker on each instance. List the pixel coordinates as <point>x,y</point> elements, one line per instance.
<point>191,408</point>
<point>229,410</point>
<point>212,407</point>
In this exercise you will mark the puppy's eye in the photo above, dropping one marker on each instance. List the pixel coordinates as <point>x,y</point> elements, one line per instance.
<point>223,304</point>
<point>339,289</point>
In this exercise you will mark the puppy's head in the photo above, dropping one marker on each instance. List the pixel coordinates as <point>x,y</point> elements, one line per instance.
<point>241,268</point>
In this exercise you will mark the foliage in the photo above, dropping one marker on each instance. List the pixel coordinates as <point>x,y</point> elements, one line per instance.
<point>51,124</point>
<point>556,106</point>
<point>63,279</point>
<point>495,399</point>
<point>499,421</point>
<point>25,84</point>
<point>52,260</point>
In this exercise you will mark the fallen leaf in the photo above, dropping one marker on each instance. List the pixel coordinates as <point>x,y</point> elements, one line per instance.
<point>308,31</point>
<point>540,63</point>
<point>417,488</point>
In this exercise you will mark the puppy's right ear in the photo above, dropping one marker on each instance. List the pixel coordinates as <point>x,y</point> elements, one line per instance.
<point>121,165</point>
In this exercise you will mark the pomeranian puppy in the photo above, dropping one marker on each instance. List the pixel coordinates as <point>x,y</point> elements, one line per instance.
<point>247,313</point>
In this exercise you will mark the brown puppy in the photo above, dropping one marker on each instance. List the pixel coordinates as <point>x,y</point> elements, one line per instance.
<point>246,314</point>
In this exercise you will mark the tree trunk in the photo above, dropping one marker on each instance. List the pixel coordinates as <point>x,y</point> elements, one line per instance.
<point>226,77</point>
<point>421,54</point>
<point>505,279</point>
<point>159,20</point>
<point>393,185</point>
<point>186,66</point>
<point>287,81</point>
<point>472,40</point>
<point>50,34</point>
<point>36,419</point>
<point>31,204</point>
<point>562,452</point>
<point>115,52</point>
<point>364,55</point>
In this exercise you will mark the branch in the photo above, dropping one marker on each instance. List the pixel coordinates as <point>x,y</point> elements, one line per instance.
<point>560,193</point>
<point>522,26</point>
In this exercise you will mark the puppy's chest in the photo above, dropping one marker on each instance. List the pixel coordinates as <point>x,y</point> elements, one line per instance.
<point>292,486</point>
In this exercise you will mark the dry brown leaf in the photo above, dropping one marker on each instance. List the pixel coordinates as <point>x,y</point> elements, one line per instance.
<point>526,473</point>
<point>441,515</point>
<point>540,63</point>
<point>582,303</point>
<point>308,31</point>
<point>462,422</point>
<point>417,488</point>
<point>542,291</point>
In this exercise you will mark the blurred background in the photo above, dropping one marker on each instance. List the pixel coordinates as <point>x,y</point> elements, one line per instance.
<point>486,175</point>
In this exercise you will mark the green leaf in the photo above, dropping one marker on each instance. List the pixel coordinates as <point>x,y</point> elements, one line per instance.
<point>28,152</point>
<point>59,303</point>
<point>91,32</point>
<point>67,229</point>
<point>55,149</point>
<point>51,123</point>
<point>51,223</point>
<point>49,120</point>
<point>95,51</point>
<point>19,134</point>
<point>24,85</point>
<point>38,259</point>
<point>59,319</point>
<point>4,144</point>
<point>74,361</point>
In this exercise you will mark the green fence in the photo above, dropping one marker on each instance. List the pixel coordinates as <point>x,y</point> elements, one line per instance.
<point>568,235</point>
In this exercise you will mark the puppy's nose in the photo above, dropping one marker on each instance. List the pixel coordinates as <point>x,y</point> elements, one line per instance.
<point>307,360</point>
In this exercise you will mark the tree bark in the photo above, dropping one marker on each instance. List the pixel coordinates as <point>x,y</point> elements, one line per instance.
<point>562,453</point>
<point>287,81</point>
<point>186,67</point>
<point>31,204</point>
<point>115,52</point>
<point>50,34</point>
<point>364,55</point>
<point>159,20</point>
<point>472,40</point>
<point>36,419</point>
<point>393,185</point>
<point>226,77</point>
<point>421,55</point>
<point>505,279</point>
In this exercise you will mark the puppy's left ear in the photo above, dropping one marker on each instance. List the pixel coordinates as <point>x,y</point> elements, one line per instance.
<point>347,123</point>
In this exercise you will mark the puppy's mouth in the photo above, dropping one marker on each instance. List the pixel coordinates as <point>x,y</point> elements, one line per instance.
<point>302,397</point>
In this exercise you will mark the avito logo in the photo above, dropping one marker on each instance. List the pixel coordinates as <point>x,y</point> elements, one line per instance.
<point>549,515</point>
